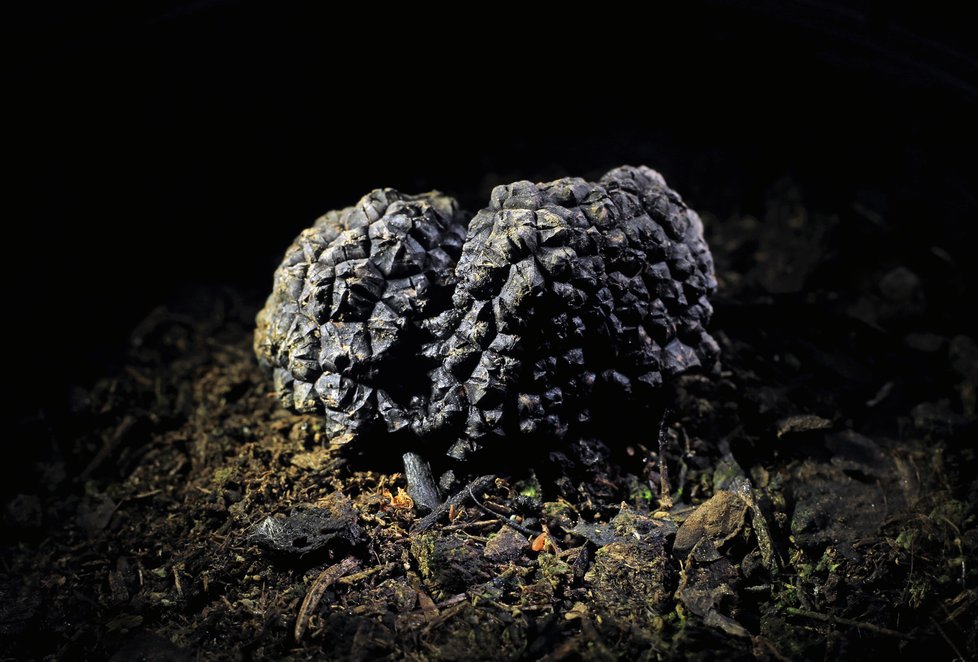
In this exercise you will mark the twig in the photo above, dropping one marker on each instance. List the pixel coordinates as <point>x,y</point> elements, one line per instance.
<point>825,618</point>
<point>665,496</point>
<point>385,569</point>
<point>176,581</point>
<point>109,446</point>
<point>428,606</point>
<point>470,525</point>
<point>963,601</point>
<point>502,518</point>
<point>764,539</point>
<point>316,591</point>
<point>477,485</point>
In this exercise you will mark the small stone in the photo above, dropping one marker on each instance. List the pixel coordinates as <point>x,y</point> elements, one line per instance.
<point>630,579</point>
<point>900,285</point>
<point>507,545</point>
<point>310,531</point>
<point>717,520</point>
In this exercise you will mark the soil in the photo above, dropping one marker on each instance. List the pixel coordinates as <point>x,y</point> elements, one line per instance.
<point>814,500</point>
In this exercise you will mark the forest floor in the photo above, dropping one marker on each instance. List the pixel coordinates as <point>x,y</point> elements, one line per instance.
<point>818,498</point>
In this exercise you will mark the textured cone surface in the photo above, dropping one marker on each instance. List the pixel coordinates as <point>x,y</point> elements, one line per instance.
<point>568,302</point>
<point>573,299</point>
<point>343,320</point>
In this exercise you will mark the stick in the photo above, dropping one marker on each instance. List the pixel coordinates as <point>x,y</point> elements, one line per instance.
<point>665,498</point>
<point>385,569</point>
<point>316,590</point>
<point>478,485</point>
<point>505,520</point>
<point>814,615</point>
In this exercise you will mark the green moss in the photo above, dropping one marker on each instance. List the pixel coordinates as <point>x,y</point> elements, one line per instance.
<point>529,487</point>
<point>560,513</point>
<point>422,549</point>
<point>906,538</point>
<point>224,475</point>
<point>639,491</point>
<point>829,561</point>
<point>553,569</point>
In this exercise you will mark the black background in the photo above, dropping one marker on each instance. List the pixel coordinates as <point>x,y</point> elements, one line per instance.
<point>159,147</point>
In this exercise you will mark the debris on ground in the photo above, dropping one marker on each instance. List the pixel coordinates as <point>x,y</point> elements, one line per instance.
<point>814,500</point>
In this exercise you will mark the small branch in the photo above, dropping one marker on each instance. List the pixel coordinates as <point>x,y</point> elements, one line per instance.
<point>420,483</point>
<point>316,591</point>
<point>428,606</point>
<point>109,447</point>
<point>481,524</point>
<point>502,518</point>
<point>480,484</point>
<point>814,615</point>
<point>382,570</point>
<point>665,491</point>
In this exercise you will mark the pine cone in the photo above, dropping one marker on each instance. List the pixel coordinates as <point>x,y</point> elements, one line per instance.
<point>341,329</point>
<point>573,299</point>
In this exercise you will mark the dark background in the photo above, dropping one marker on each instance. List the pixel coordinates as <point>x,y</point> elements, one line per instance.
<point>158,148</point>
